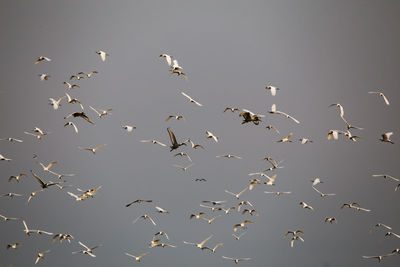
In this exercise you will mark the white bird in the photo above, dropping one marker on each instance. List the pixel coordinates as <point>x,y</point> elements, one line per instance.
<point>294,238</point>
<point>341,110</point>
<point>26,230</point>
<point>175,65</point>
<point>306,206</point>
<point>334,134</point>
<point>144,217</point>
<point>381,95</point>
<point>198,215</point>
<point>209,221</point>
<point>137,258</point>
<point>93,150</point>
<point>305,141</point>
<point>211,135</point>
<point>102,55</point>
<point>10,139</point>
<point>161,233</point>
<point>383,225</point>
<point>386,176</point>
<point>183,154</point>
<point>213,249</point>
<point>17,177</point>
<point>102,113</point>
<point>11,195</point>
<point>272,127</point>
<point>354,205</point>
<point>237,237</point>
<point>70,123</point>
<point>168,58</point>
<point>128,128</point>
<point>236,260</point>
<point>330,219</point>
<point>2,158</point>
<point>278,193</point>
<point>47,168</point>
<point>183,168</point>
<point>229,156</point>
<point>87,250</point>
<point>286,139</point>
<point>8,218</point>
<point>386,137</point>
<point>316,181</point>
<point>56,103</point>
<point>199,245</point>
<point>153,142</point>
<point>161,210</point>
<point>239,206</point>
<point>41,255</point>
<point>242,225</point>
<point>322,194</point>
<point>237,196</point>
<point>379,258</point>
<point>191,99</point>
<point>272,89</point>
<point>44,76</point>
<point>73,100</point>
<point>41,58</point>
<point>89,74</point>
<point>392,234</point>
<point>38,136</point>
<point>71,86</point>
<point>176,117</point>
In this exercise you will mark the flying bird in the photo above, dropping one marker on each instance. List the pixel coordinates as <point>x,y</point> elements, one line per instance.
<point>71,86</point>
<point>41,255</point>
<point>70,123</point>
<point>41,58</point>
<point>322,194</point>
<point>330,219</point>
<point>10,139</point>
<point>168,58</point>
<point>249,116</point>
<point>183,154</point>
<point>144,217</point>
<point>93,150</point>
<point>272,127</point>
<point>47,168</point>
<point>209,221</point>
<point>386,137</point>
<point>138,201</point>
<point>242,225</point>
<point>153,142</point>
<point>176,117</point>
<point>102,113</point>
<point>183,168</point>
<point>174,143</point>
<point>306,206</point>
<point>316,181</point>
<point>137,258</point>
<point>199,245</point>
<point>102,55</point>
<point>277,193</point>
<point>8,218</point>
<point>43,185</point>
<point>381,95</point>
<point>237,196</point>
<point>213,249</point>
<point>385,176</point>
<point>286,139</point>
<point>237,237</point>
<point>191,100</point>
<point>210,135</point>
<point>87,250</point>
<point>128,128</point>
<point>17,177</point>
<point>231,109</point>
<point>237,260</point>
<point>14,246</point>
<point>272,89</point>
<point>80,115</point>
<point>229,156</point>
<point>56,103</point>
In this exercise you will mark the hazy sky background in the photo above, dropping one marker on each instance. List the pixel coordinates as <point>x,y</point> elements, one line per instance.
<point>317,52</point>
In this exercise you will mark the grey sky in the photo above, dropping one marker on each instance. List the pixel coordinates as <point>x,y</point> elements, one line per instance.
<point>317,52</point>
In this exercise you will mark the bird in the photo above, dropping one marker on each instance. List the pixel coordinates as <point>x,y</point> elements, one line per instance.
<point>253,183</point>
<point>89,74</point>
<point>215,202</point>
<point>272,127</point>
<point>168,58</point>
<point>44,76</point>
<point>183,168</point>
<point>87,250</point>
<point>229,156</point>
<point>93,150</point>
<point>385,176</point>
<point>102,55</point>
<point>47,168</point>
<point>250,211</point>
<point>249,116</point>
<point>199,245</point>
<point>330,219</point>
<point>33,194</point>
<point>17,177</point>
<point>383,97</point>
<point>242,225</point>
<point>272,89</point>
<point>191,100</point>
<point>285,139</point>
<point>71,100</point>
<point>128,128</point>
<point>213,249</point>
<point>341,110</point>
<point>8,218</point>
<point>386,137</point>
<point>145,217</point>
<point>11,139</point>
<point>80,115</point>
<point>237,237</point>
<point>41,255</point>
<point>209,221</point>
<point>26,230</point>
<point>153,142</point>
<point>237,196</point>
<point>381,257</point>
<point>175,65</point>
<point>294,233</point>
<point>271,180</point>
<point>174,143</point>
<point>179,73</point>
<point>2,158</point>
<point>70,123</point>
<point>138,201</point>
<point>195,146</point>
<point>306,206</point>
<point>41,58</point>
<point>161,210</point>
<point>102,113</point>
<point>354,205</point>
<point>316,181</point>
<point>198,215</point>
<point>213,208</point>
<point>56,103</point>
<point>239,206</point>
<point>274,111</point>
<point>200,180</point>
<point>351,137</point>
<point>71,86</point>
<point>294,238</point>
<point>38,136</point>
<point>42,184</point>
<point>210,135</point>
<point>229,209</point>
<point>14,246</point>
<point>137,258</point>
<point>277,193</point>
<point>176,117</point>
<point>236,260</point>
<point>272,161</point>
<point>11,195</point>
<point>333,133</point>
<point>392,234</point>
<point>161,233</point>
<point>62,237</point>
<point>383,225</point>
<point>305,141</point>
<point>183,154</point>
<point>231,109</point>
<point>77,76</point>
<point>322,194</point>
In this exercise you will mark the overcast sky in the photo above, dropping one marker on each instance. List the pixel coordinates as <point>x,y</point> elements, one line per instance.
<point>316,52</point>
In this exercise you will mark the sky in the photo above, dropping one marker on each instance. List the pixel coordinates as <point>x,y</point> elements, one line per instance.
<point>316,52</point>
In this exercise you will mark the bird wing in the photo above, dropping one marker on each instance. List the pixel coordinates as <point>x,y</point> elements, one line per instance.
<point>229,192</point>
<point>83,245</point>
<point>151,220</point>
<point>228,258</point>
<point>38,179</point>
<point>188,97</point>
<point>241,192</point>
<point>172,137</point>
<point>161,144</point>
<point>205,240</point>
<point>97,148</point>
<point>92,108</point>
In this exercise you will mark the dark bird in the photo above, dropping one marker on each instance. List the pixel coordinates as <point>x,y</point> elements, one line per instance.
<point>174,143</point>
<point>81,115</point>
